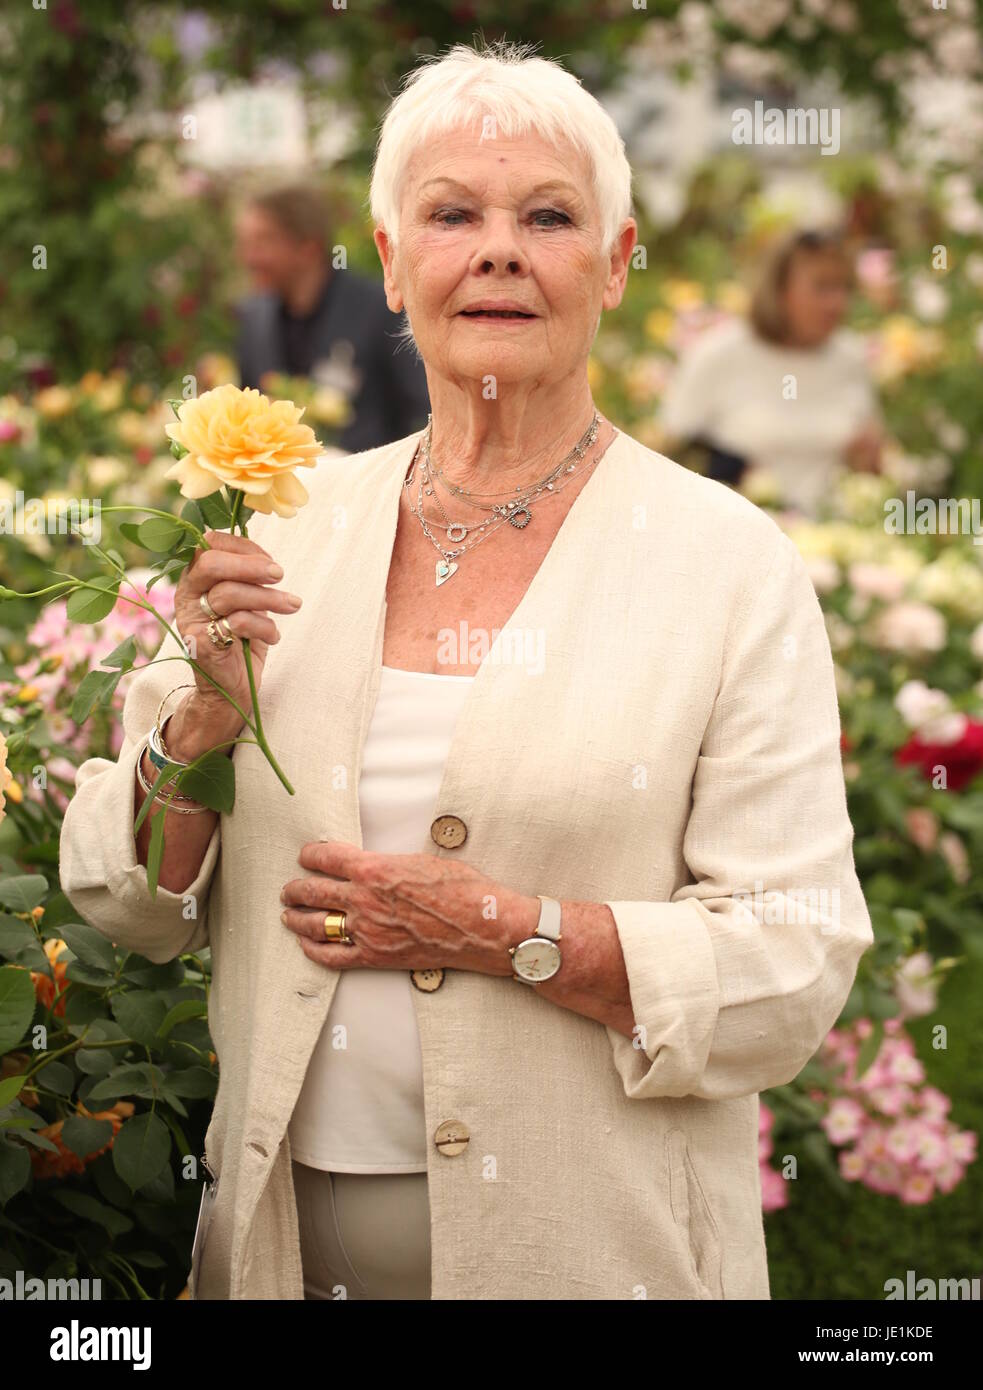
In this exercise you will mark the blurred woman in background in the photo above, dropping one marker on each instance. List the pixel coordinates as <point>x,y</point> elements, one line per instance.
<point>787,390</point>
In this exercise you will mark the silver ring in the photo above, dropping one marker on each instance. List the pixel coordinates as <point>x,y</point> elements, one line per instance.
<point>207,608</point>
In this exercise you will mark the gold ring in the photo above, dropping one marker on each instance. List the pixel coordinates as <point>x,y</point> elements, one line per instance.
<point>207,607</point>
<point>217,639</point>
<point>334,928</point>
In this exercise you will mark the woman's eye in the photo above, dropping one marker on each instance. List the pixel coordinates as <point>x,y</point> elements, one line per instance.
<point>443,214</point>
<point>560,218</point>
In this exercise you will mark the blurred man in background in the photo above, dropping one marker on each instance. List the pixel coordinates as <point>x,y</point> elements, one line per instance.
<point>332,326</point>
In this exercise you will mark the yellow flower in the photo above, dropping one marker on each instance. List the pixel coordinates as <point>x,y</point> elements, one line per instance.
<point>240,439</point>
<point>53,402</point>
<point>109,395</point>
<point>90,383</point>
<point>27,693</point>
<point>329,407</point>
<point>682,294</point>
<point>658,325</point>
<point>732,297</point>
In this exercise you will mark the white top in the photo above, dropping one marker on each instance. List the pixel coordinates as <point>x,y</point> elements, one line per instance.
<point>360,1109</point>
<point>733,389</point>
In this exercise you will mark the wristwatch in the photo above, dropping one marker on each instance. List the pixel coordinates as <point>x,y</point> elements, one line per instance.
<point>538,958</point>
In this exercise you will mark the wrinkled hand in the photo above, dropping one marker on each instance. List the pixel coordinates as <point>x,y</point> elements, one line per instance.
<point>405,911</point>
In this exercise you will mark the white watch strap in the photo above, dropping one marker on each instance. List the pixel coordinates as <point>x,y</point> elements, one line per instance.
<point>549,918</point>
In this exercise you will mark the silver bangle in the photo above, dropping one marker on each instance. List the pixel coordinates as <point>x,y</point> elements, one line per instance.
<point>193,809</point>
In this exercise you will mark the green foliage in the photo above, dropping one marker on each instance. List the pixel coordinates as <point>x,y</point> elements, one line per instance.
<point>108,1116</point>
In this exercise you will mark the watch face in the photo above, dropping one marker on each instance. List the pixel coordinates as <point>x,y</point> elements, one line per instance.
<point>536,959</point>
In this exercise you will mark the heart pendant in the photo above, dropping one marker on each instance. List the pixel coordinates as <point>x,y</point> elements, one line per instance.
<point>445,568</point>
<point>520,517</point>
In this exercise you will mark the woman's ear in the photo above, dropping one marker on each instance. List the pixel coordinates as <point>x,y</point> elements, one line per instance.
<point>387,256</point>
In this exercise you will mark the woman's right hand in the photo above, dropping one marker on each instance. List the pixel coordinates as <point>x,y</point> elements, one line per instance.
<point>235,574</point>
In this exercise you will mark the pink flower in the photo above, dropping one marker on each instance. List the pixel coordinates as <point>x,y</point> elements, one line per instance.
<point>883,1176</point>
<point>901,1143</point>
<point>935,1103</point>
<point>917,1189</point>
<point>774,1190</point>
<point>843,1121</point>
<point>962,1146</point>
<point>852,1164</point>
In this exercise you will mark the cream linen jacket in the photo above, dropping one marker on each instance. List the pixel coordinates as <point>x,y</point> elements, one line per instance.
<point>678,749</point>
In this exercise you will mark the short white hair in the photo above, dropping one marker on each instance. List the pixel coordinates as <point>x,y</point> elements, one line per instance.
<point>521,93</point>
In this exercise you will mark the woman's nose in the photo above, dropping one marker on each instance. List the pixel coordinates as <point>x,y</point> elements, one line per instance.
<point>498,245</point>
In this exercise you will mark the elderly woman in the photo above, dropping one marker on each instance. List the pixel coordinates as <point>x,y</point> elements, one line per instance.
<point>495,992</point>
<point>787,390</point>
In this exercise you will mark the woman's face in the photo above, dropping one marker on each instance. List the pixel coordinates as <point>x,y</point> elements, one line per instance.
<point>509,223</point>
<point>816,296</point>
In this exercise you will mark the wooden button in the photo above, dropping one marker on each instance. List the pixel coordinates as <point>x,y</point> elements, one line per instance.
<point>452,1137</point>
<point>449,832</point>
<point>428,980</point>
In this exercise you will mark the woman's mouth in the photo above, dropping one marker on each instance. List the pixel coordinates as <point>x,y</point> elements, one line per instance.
<point>495,314</point>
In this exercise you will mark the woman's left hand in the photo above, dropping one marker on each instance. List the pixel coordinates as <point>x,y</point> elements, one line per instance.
<point>405,911</point>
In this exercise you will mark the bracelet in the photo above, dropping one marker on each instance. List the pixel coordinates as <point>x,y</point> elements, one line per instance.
<point>192,809</point>
<point>160,727</point>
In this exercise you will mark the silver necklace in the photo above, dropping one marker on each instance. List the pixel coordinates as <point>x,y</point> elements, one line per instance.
<point>517,511</point>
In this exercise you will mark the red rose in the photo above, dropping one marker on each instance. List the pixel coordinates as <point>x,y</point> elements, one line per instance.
<point>962,760</point>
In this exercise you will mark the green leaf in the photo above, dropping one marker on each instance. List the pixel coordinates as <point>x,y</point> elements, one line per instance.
<point>10,1089</point>
<point>212,782</point>
<point>15,1170</point>
<point>146,1259</point>
<point>141,1150</point>
<point>90,1209</point>
<point>93,603</point>
<point>155,853</point>
<point>57,1077</point>
<point>84,1135</point>
<point>139,1013</point>
<point>132,1079</point>
<point>23,893</point>
<point>124,655</point>
<point>90,946</point>
<point>88,975</point>
<point>131,530</point>
<point>17,1004</point>
<point>189,1008</point>
<point>95,1061</point>
<point>215,511</point>
<point>19,944</point>
<point>192,512</point>
<point>147,975</point>
<point>160,535</point>
<point>95,688</point>
<point>196,1083</point>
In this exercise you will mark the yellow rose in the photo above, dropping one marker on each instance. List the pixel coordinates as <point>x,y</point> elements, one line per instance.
<point>658,325</point>
<point>241,439</point>
<point>330,407</point>
<point>682,294</point>
<point>53,402</point>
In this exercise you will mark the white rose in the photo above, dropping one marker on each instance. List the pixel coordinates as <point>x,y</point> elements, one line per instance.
<point>911,628</point>
<point>824,573</point>
<point>917,703</point>
<point>876,581</point>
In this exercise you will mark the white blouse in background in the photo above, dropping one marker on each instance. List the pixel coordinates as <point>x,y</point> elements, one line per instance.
<point>360,1109</point>
<point>732,388</point>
